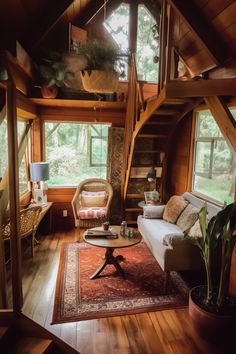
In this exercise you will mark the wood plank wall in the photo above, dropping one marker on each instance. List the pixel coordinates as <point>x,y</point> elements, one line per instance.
<point>221,16</point>
<point>180,163</point>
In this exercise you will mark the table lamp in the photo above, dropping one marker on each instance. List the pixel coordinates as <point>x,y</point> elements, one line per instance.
<point>39,172</point>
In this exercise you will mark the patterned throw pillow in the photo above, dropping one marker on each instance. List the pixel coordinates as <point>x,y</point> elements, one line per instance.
<point>188,217</point>
<point>93,199</point>
<point>195,230</point>
<point>174,208</point>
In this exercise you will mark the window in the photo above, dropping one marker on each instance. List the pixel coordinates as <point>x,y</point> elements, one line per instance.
<point>117,24</point>
<point>147,46</point>
<point>23,175</point>
<point>75,152</point>
<point>214,167</point>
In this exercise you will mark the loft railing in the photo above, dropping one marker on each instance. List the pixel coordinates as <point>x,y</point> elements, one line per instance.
<point>135,103</point>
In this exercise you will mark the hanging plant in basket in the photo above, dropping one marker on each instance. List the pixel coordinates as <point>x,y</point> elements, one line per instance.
<point>103,69</point>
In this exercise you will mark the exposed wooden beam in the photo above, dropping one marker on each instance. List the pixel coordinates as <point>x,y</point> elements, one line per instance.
<point>41,29</point>
<point>15,244</point>
<point>96,12</point>
<point>133,27</point>
<point>210,39</point>
<point>224,119</point>
<point>201,88</point>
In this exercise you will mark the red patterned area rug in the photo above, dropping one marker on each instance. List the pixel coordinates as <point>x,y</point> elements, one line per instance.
<point>79,298</point>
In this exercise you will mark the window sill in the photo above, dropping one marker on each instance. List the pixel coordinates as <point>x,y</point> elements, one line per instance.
<point>207,199</point>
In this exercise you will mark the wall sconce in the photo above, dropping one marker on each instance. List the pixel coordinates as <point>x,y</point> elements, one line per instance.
<point>39,172</point>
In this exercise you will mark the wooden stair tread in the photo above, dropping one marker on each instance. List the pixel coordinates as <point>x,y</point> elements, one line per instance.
<point>133,209</point>
<point>135,196</point>
<point>3,331</point>
<point>159,122</point>
<point>32,345</point>
<point>165,112</point>
<point>151,136</point>
<point>147,151</point>
<point>173,101</point>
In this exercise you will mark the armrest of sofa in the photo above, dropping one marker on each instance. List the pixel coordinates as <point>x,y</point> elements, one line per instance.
<point>153,211</point>
<point>173,239</point>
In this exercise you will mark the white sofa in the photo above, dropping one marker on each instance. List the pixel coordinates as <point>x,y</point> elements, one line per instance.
<point>166,242</point>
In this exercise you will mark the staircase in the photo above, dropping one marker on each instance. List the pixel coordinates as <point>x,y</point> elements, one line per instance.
<point>150,143</point>
<point>21,335</point>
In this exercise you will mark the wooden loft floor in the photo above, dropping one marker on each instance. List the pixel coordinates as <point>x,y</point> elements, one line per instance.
<point>161,332</point>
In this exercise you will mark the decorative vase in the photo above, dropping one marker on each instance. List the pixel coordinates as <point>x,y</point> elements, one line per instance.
<point>207,324</point>
<point>99,81</point>
<point>49,92</point>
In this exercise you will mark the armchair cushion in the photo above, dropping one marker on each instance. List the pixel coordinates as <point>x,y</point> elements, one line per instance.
<point>93,199</point>
<point>91,212</point>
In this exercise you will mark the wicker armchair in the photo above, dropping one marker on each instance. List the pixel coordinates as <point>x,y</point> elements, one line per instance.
<point>28,225</point>
<point>91,202</point>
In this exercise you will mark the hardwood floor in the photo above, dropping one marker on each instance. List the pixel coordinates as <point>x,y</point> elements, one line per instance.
<point>158,332</point>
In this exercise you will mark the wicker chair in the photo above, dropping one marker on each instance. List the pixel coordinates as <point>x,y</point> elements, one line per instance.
<point>28,225</point>
<point>92,190</point>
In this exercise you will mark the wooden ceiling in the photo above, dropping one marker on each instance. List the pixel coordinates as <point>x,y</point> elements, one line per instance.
<point>204,31</point>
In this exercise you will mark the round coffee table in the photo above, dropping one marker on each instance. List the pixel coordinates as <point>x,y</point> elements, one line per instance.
<point>111,245</point>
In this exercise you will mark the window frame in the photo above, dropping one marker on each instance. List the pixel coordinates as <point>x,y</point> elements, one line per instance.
<point>193,148</point>
<point>89,154</point>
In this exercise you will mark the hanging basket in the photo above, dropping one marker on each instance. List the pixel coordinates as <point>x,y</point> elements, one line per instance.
<point>99,81</point>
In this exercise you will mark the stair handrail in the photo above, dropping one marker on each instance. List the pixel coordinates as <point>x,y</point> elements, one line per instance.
<point>132,114</point>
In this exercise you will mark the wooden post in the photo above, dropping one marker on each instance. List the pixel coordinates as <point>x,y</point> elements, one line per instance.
<point>15,244</point>
<point>133,27</point>
<point>3,297</point>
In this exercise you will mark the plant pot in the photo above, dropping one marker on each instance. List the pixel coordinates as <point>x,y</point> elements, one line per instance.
<point>49,92</point>
<point>210,326</point>
<point>99,81</point>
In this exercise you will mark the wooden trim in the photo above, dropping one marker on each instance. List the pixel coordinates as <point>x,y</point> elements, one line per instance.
<point>224,119</point>
<point>191,152</point>
<point>15,243</point>
<point>21,80</point>
<point>26,109</point>
<point>201,88</point>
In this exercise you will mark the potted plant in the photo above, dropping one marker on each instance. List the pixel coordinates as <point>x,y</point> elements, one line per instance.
<point>53,72</point>
<point>102,69</point>
<point>211,308</point>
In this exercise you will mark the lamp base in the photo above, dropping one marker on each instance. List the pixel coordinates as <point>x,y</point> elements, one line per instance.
<point>40,197</point>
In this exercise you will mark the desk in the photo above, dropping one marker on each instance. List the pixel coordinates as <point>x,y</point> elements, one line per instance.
<point>46,208</point>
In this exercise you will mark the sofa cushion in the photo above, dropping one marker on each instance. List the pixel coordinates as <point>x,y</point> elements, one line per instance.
<point>91,213</point>
<point>153,211</point>
<point>174,208</point>
<point>157,229</point>
<point>188,217</point>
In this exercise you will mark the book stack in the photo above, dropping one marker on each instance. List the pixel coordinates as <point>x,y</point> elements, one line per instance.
<point>100,233</point>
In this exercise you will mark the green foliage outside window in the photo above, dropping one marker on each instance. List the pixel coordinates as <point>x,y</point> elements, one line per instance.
<point>117,24</point>
<point>215,165</point>
<point>68,151</point>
